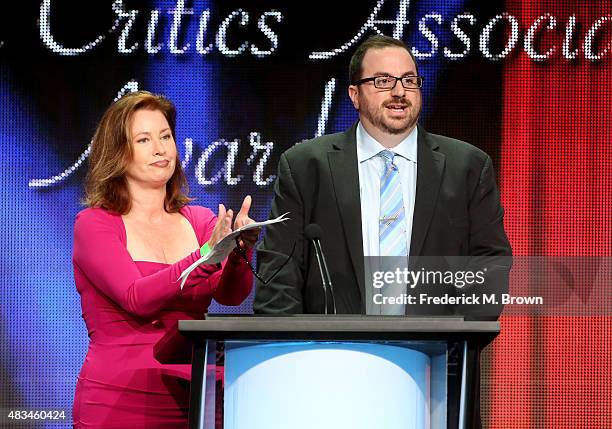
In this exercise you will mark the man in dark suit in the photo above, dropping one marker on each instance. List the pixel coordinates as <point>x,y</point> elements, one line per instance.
<point>445,190</point>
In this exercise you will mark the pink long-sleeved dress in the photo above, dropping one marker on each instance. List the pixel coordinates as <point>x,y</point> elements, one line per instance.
<point>127,307</point>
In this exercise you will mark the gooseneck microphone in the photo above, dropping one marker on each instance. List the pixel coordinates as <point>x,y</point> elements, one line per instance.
<point>314,233</point>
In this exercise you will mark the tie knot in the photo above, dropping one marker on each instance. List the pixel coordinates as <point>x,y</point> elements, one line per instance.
<point>386,155</point>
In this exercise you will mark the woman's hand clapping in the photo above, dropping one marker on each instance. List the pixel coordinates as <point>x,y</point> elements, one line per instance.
<point>222,227</point>
<point>247,238</point>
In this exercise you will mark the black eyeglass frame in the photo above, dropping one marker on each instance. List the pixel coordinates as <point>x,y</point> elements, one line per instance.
<point>400,79</point>
<point>243,254</point>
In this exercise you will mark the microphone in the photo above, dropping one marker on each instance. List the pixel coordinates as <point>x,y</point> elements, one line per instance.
<point>313,232</point>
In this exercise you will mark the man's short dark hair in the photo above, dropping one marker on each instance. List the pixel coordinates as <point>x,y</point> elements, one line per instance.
<point>378,41</point>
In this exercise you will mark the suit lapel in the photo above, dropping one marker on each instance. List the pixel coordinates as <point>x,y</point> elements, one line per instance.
<point>430,167</point>
<point>345,177</point>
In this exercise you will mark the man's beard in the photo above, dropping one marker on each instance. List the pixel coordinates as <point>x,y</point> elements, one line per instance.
<point>375,114</point>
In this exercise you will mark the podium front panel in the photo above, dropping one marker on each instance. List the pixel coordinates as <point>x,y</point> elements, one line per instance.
<point>327,385</point>
<point>335,372</point>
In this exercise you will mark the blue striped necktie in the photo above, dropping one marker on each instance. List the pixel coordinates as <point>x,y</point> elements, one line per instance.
<point>392,220</point>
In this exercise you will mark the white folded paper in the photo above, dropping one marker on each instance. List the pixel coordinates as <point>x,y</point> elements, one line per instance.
<point>222,249</point>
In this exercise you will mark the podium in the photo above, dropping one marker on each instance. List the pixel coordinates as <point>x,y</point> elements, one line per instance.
<point>331,371</point>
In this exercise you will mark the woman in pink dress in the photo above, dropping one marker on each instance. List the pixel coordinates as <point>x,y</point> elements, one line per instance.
<point>130,247</point>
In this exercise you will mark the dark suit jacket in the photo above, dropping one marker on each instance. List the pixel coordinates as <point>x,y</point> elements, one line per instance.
<point>457,213</point>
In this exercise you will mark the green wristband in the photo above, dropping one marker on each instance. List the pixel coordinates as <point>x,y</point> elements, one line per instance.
<point>204,250</point>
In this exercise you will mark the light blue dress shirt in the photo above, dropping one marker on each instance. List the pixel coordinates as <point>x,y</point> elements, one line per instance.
<point>371,167</point>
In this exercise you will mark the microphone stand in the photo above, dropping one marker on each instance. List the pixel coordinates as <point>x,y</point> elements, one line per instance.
<point>325,277</point>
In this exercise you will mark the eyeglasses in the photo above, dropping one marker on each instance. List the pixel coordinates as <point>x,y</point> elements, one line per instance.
<point>389,82</point>
<point>243,254</point>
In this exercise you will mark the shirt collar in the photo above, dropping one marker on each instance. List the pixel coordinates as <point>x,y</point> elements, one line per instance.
<point>368,147</point>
